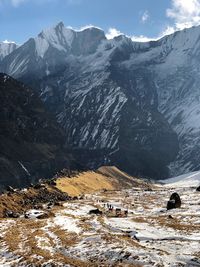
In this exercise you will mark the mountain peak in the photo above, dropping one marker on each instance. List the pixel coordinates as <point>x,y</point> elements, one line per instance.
<point>60,25</point>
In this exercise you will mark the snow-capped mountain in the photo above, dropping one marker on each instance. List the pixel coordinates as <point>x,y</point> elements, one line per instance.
<point>51,51</point>
<point>174,61</point>
<point>119,101</point>
<point>6,48</point>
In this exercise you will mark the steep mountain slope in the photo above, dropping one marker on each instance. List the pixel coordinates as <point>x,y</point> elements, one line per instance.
<point>6,48</point>
<point>31,143</point>
<point>191,179</point>
<point>106,103</point>
<point>174,61</point>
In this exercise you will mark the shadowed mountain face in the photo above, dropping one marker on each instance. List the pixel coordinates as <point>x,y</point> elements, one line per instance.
<point>31,143</point>
<point>106,94</point>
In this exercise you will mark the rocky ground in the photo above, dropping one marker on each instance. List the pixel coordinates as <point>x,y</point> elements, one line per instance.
<point>149,236</point>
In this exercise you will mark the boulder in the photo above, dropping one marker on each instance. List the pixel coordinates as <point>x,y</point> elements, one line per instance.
<point>174,201</point>
<point>198,189</point>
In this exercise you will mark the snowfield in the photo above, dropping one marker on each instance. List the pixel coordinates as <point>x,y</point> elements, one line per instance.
<point>187,180</point>
<point>149,236</point>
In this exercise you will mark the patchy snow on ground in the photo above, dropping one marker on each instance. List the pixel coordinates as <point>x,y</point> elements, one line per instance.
<point>66,223</point>
<point>148,236</point>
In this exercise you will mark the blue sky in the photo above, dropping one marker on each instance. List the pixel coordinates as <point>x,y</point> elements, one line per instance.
<point>140,19</point>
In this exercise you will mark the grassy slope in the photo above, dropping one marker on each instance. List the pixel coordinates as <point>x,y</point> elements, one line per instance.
<point>109,178</point>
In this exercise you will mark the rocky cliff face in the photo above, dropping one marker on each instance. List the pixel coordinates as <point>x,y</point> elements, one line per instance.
<point>31,143</point>
<point>110,95</point>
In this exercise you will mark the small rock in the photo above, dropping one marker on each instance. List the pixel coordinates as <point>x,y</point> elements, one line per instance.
<point>10,189</point>
<point>95,211</point>
<point>11,214</point>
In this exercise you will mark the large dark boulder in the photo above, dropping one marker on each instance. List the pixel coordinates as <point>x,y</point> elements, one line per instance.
<point>174,202</point>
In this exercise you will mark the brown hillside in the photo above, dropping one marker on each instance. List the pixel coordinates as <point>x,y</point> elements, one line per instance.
<point>109,178</point>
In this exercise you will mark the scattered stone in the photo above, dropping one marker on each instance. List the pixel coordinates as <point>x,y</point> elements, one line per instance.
<point>10,189</point>
<point>198,189</point>
<point>135,237</point>
<point>148,189</point>
<point>38,186</point>
<point>11,214</point>
<point>36,214</point>
<point>96,211</point>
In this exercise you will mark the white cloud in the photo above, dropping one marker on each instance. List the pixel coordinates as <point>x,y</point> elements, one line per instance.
<point>167,31</point>
<point>112,32</point>
<point>8,42</point>
<point>142,38</point>
<point>185,13</point>
<point>87,27</point>
<point>145,17</point>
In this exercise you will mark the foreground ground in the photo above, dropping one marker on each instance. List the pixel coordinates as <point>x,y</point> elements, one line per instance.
<point>149,236</point>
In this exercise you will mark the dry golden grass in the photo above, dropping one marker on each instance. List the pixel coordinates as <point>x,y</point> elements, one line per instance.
<point>67,239</point>
<point>177,224</point>
<point>22,240</point>
<point>84,183</point>
<point>167,222</point>
<point>106,178</point>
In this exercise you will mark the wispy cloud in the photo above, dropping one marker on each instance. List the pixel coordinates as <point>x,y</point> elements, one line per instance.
<point>145,17</point>
<point>183,14</point>
<point>112,32</point>
<point>14,3</point>
<point>17,3</point>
